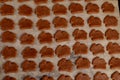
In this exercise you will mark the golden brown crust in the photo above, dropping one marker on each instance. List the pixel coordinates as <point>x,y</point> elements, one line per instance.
<point>40,1</point>
<point>62,51</point>
<point>75,8</point>
<point>96,35</point>
<point>10,67</point>
<point>94,21</point>
<point>97,49</point>
<point>100,76</point>
<point>26,38</point>
<point>61,36</point>
<point>7,24</point>
<point>60,22</point>
<point>46,66</point>
<point>45,37</point>
<point>43,24</point>
<point>9,52</point>
<point>9,78</point>
<point>80,48</point>
<point>89,0</point>
<point>99,63</point>
<point>8,36</point>
<point>115,75</point>
<point>107,7</point>
<point>42,11</point>
<point>28,65</point>
<point>29,52</point>
<point>82,76</point>
<point>47,78</point>
<point>29,78</point>
<point>92,8</point>
<point>6,9</point>
<point>54,1</point>
<point>22,0</point>
<point>112,34</point>
<point>65,65</point>
<point>110,21</point>
<point>25,10</point>
<point>59,9</point>
<point>82,63</point>
<point>46,52</point>
<point>79,34</point>
<point>114,63</point>
<point>76,21</point>
<point>64,77</point>
<point>25,23</point>
<point>113,48</point>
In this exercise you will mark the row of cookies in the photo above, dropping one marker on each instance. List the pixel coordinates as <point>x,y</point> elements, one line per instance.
<point>58,9</point>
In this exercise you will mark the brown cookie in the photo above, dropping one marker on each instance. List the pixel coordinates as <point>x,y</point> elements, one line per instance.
<point>76,21</point>
<point>114,63</point>
<point>28,65</point>
<point>8,52</point>
<point>25,23</point>
<point>8,36</point>
<point>60,22</point>
<point>82,63</point>
<point>45,37</point>
<point>75,8</point>
<point>100,76</point>
<point>96,35</point>
<point>110,21</point>
<point>64,77</point>
<point>54,1</point>
<point>42,11</point>
<point>10,67</point>
<point>29,78</point>
<point>99,63</point>
<point>94,21</point>
<point>82,76</point>
<point>47,78</point>
<point>97,49</point>
<point>7,24</point>
<point>59,9</point>
<point>115,76</point>
<point>40,1</point>
<point>29,52</point>
<point>6,9</point>
<point>61,36</point>
<point>65,65</point>
<point>25,10</point>
<point>26,38</point>
<point>92,8</point>
<point>74,0</point>
<point>46,66</point>
<point>62,51</point>
<point>9,78</point>
<point>79,34</point>
<point>113,48</point>
<point>89,0</point>
<point>46,52</point>
<point>107,7</point>
<point>5,0</point>
<point>112,34</point>
<point>43,24</point>
<point>22,0</point>
<point>80,48</point>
